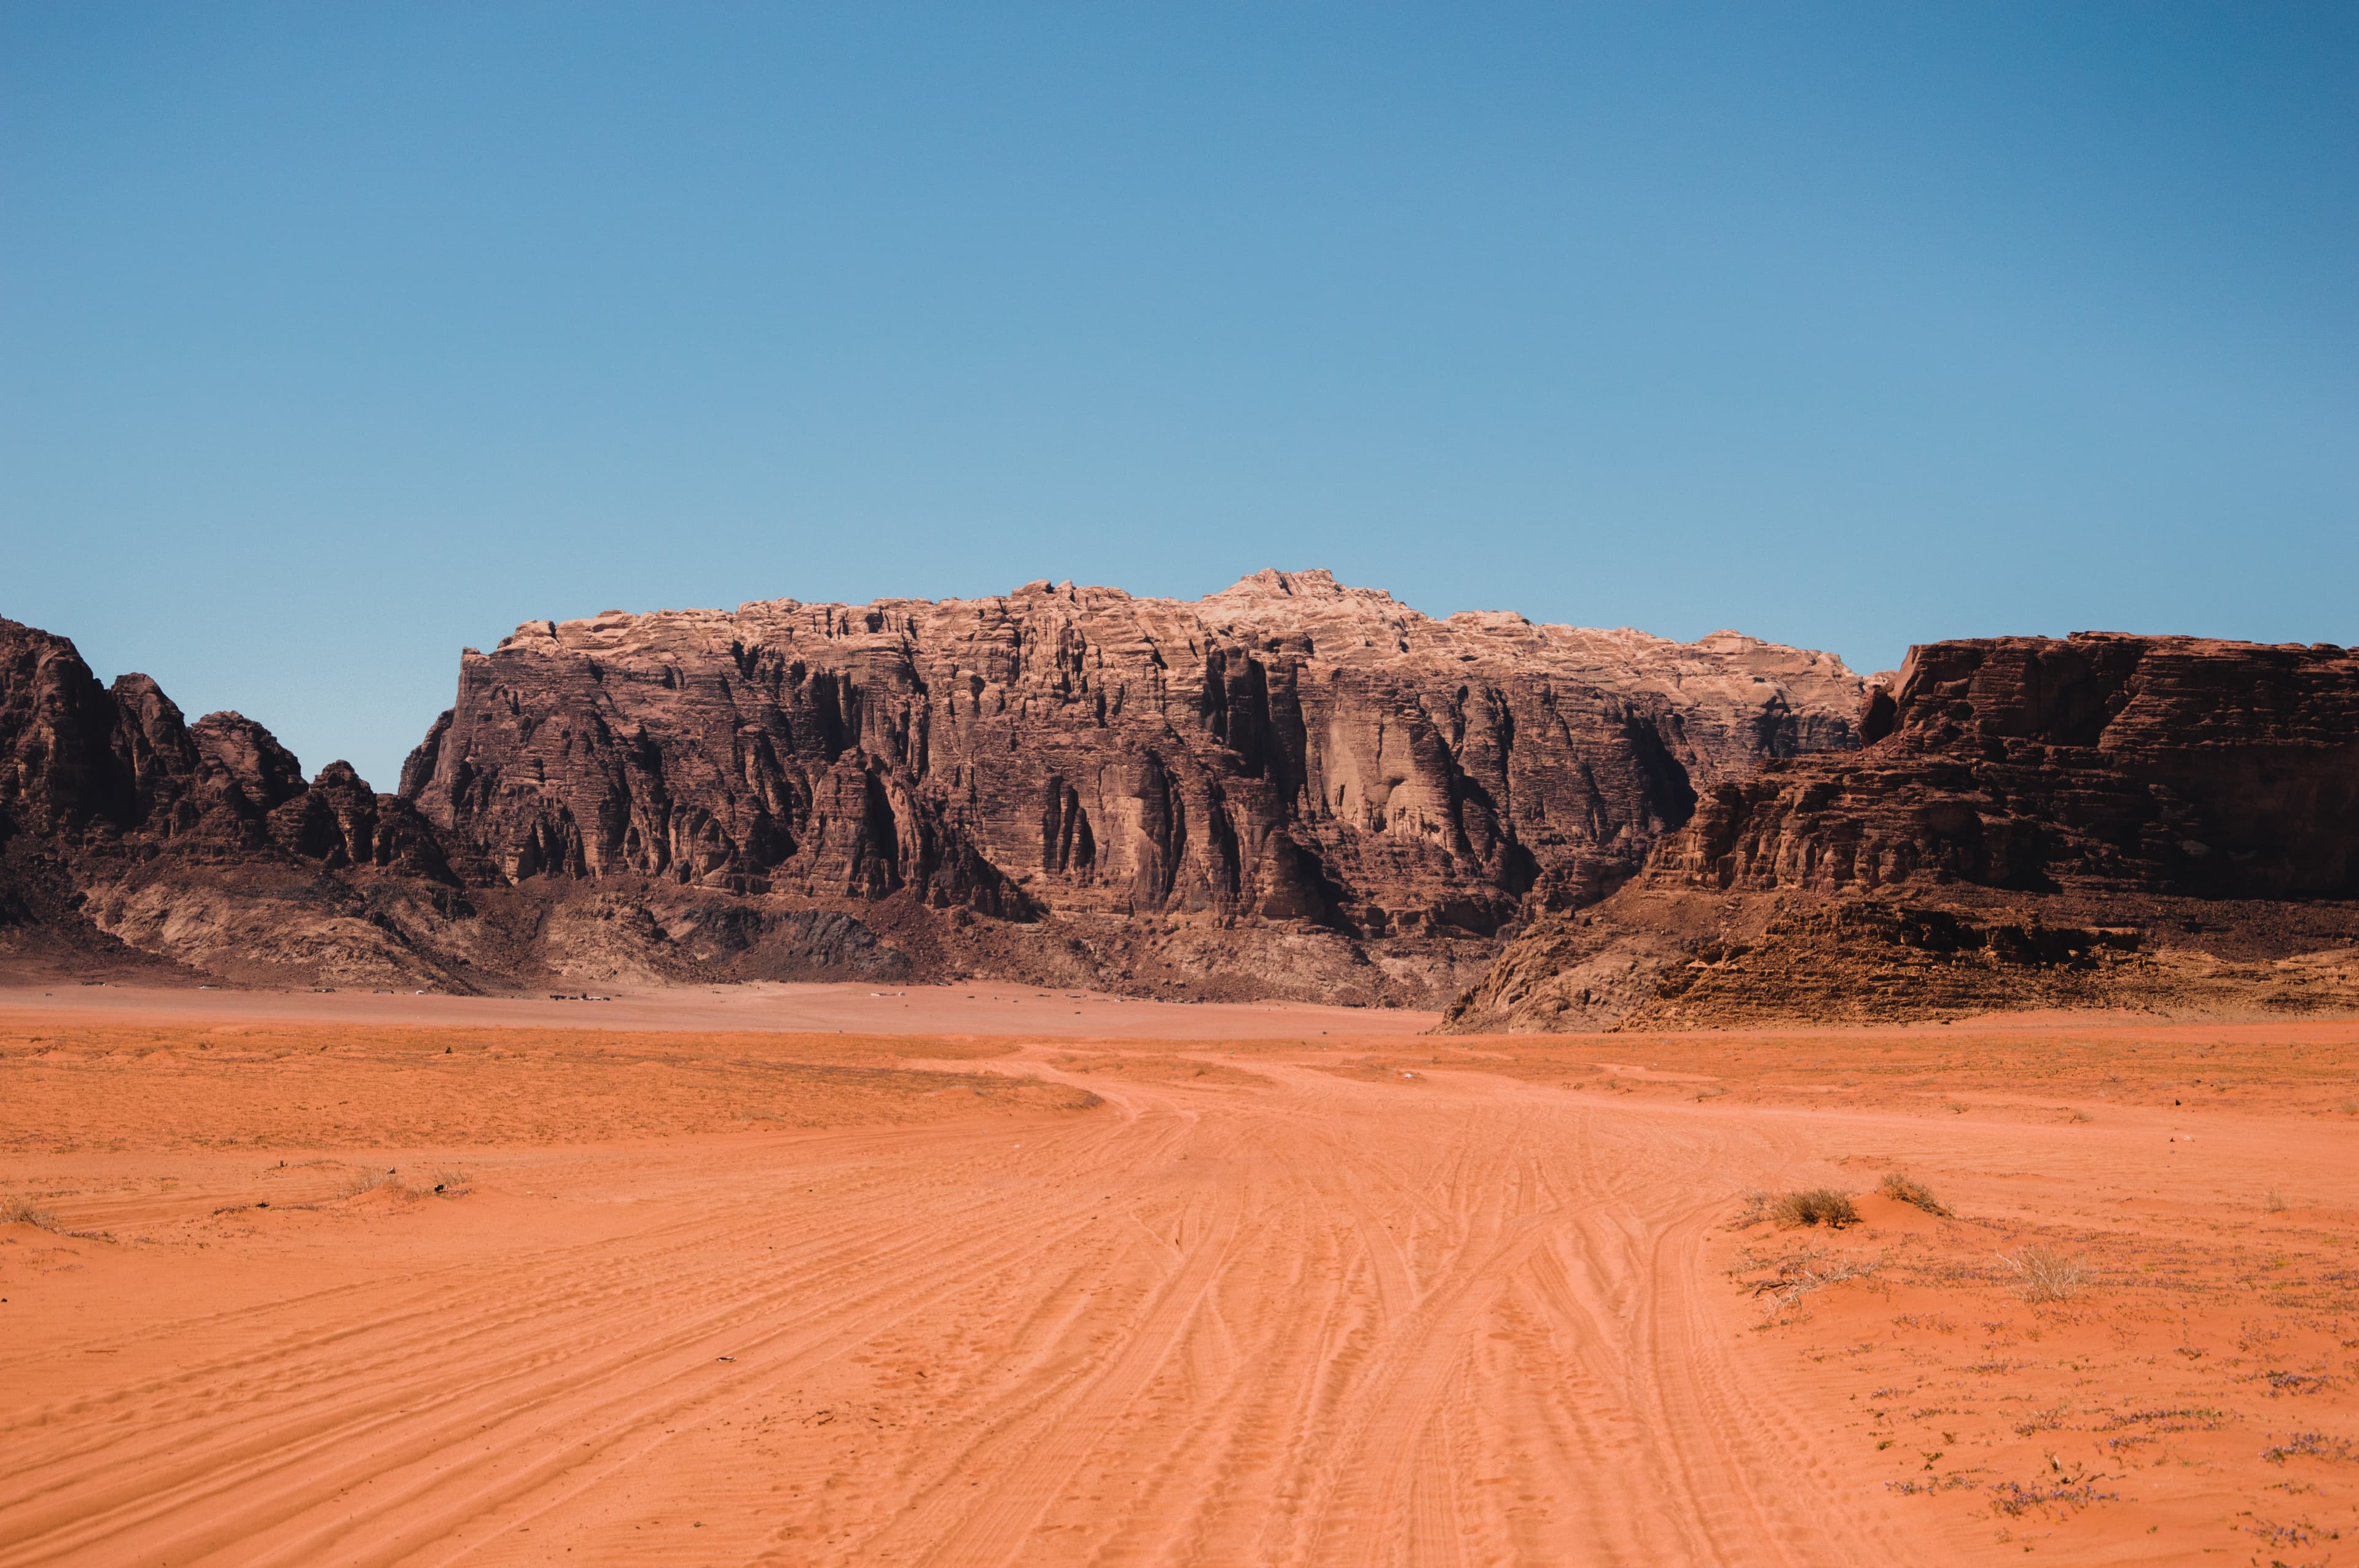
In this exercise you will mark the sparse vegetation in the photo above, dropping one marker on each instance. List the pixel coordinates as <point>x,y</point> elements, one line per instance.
<point>1900,1187</point>
<point>2044,1274</point>
<point>2312,1445</point>
<point>1815,1206</point>
<point>1788,1279</point>
<point>2014,1498</point>
<point>2275,1203</point>
<point>23,1211</point>
<point>362,1181</point>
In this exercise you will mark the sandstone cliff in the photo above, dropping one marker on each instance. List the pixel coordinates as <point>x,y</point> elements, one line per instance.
<point>1288,789</point>
<point>1289,749</point>
<point>2097,820</point>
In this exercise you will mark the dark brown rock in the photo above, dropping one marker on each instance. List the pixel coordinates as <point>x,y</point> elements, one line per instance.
<point>2098,820</point>
<point>1290,788</point>
<point>1290,750</point>
<point>2162,765</point>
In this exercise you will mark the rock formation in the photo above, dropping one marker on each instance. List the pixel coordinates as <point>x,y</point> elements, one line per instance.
<point>1289,787</point>
<point>1288,749</point>
<point>2098,819</point>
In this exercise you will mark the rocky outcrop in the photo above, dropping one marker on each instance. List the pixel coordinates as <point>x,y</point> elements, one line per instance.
<point>129,835</point>
<point>2165,765</point>
<point>1290,788</point>
<point>1288,750</point>
<point>2095,821</point>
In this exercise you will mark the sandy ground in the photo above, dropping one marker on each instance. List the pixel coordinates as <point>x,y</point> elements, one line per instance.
<point>734,1295</point>
<point>811,1009</point>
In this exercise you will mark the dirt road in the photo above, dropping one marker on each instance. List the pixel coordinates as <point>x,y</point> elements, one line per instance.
<point>1280,1308</point>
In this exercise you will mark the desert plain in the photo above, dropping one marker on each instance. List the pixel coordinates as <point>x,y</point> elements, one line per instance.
<point>858,1274</point>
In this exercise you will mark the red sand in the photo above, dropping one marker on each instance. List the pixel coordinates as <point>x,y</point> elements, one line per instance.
<point>800,1298</point>
<point>811,1008</point>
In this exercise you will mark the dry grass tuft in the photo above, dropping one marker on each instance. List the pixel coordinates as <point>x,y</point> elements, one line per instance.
<point>1799,1274</point>
<point>1815,1206</point>
<point>362,1181</point>
<point>1896,1185</point>
<point>23,1211</point>
<point>2043,1274</point>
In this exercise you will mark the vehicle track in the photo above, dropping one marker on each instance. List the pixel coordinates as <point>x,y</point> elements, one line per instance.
<point>1461,1321</point>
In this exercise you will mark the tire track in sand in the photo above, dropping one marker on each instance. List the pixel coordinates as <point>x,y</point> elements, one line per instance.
<point>1463,1322</point>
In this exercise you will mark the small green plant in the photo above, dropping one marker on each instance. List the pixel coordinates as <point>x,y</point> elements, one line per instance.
<point>1905,1190</point>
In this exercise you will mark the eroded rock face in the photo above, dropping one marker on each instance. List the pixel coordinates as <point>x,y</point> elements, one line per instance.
<point>1288,789</point>
<point>2099,820</point>
<point>2162,765</point>
<point>1289,749</point>
<point>128,835</point>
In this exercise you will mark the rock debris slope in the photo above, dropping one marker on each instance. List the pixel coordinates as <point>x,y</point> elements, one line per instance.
<point>2101,819</point>
<point>1288,787</point>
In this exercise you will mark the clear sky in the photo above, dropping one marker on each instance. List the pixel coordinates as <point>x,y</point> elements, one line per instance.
<point>334,337</point>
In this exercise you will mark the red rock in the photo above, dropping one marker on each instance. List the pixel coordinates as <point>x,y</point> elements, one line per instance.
<point>1288,749</point>
<point>2101,820</point>
<point>2172,766</point>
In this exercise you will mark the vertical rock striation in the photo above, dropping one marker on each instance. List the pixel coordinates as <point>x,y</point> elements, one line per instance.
<point>1288,749</point>
<point>2097,820</point>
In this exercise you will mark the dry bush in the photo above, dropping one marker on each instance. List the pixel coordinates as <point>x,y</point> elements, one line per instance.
<point>1815,1206</point>
<point>1896,1185</point>
<point>2275,1203</point>
<point>1798,1274</point>
<point>2044,1274</point>
<point>364,1181</point>
<point>451,1181</point>
<point>23,1211</point>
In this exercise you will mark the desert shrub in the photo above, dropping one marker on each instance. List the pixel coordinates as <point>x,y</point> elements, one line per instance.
<point>2043,1274</point>
<point>1896,1185</point>
<point>1815,1206</point>
<point>1789,1279</point>
<point>364,1181</point>
<point>23,1211</point>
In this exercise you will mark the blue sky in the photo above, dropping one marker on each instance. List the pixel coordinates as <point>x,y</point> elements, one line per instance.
<point>335,337</point>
